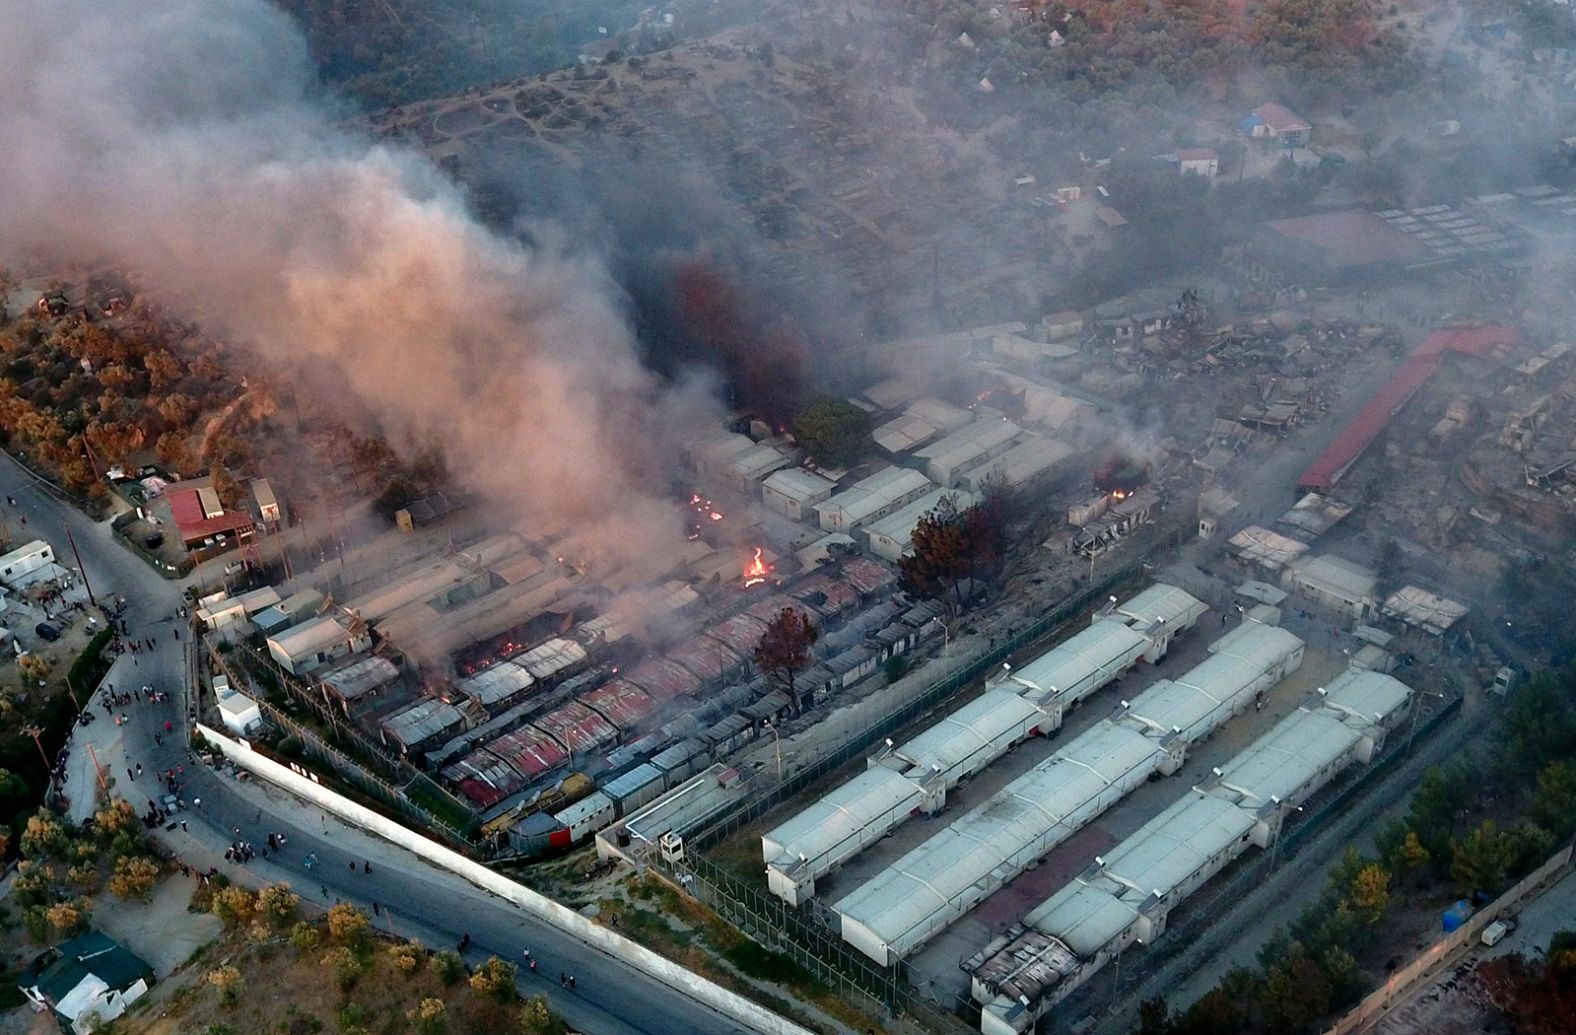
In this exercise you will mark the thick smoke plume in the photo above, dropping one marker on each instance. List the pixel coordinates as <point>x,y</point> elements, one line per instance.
<point>183,140</point>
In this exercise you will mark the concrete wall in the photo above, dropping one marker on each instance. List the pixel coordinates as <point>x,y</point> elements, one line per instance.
<point>1434,959</point>
<point>736,1007</point>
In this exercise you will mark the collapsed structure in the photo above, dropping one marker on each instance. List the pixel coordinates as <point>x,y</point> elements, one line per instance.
<point>939,881</point>
<point>1126,895</point>
<point>916,775</point>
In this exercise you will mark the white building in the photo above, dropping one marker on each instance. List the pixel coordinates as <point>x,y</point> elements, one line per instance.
<point>915,776</point>
<point>1198,161</point>
<point>239,712</point>
<point>921,422</point>
<point>24,561</point>
<point>267,502</point>
<point>314,644</point>
<point>1126,895</point>
<point>793,492</point>
<point>736,460</point>
<point>1029,459</point>
<point>871,499</point>
<point>891,536</point>
<point>967,447</point>
<point>939,881</point>
<point>1422,610</point>
<point>1333,582</point>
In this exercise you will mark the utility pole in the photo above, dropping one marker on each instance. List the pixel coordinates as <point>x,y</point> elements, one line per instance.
<point>89,586</point>
<point>778,743</point>
<point>98,768</point>
<point>36,732</point>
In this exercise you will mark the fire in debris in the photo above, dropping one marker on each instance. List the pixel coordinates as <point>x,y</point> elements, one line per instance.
<point>1120,475</point>
<point>756,571</point>
<point>703,514</point>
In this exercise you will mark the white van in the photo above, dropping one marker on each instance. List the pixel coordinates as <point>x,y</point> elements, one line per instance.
<point>1494,932</point>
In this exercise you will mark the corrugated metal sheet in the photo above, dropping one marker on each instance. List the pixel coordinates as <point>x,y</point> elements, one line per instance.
<point>578,728</point>
<point>1376,415</point>
<point>622,703</point>
<point>705,657</point>
<point>741,632</point>
<point>531,750</point>
<point>663,679</point>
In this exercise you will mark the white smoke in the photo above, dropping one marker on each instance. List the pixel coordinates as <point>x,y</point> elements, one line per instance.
<point>182,140</point>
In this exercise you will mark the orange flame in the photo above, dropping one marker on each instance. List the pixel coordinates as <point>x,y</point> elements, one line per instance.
<point>755,572</point>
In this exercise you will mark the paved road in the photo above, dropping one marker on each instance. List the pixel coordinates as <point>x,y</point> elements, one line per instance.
<point>611,996</point>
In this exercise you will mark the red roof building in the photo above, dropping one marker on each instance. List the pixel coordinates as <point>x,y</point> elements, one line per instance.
<point>1394,394</point>
<point>198,521</point>
<point>621,703</point>
<point>663,679</point>
<point>578,728</point>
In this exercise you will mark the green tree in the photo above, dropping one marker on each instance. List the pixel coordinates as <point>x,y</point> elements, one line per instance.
<point>1481,861</point>
<point>833,431</point>
<point>1154,1017</point>
<point>1216,1013</point>
<point>1408,859</point>
<point>1369,894</point>
<point>1554,801</point>
<point>1432,815</point>
<point>784,650</point>
<point>1296,992</point>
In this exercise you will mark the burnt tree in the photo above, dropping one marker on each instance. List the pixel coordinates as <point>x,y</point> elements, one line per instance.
<point>784,650</point>
<point>953,552</point>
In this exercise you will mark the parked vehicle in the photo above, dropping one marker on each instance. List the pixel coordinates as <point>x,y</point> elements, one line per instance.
<point>47,631</point>
<point>1495,932</point>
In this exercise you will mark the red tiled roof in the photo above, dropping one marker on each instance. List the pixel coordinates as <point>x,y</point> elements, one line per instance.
<point>1357,436</point>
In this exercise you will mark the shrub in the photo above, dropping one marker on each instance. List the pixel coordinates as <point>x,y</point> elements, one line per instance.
<point>227,979</point>
<point>449,966</point>
<point>135,876</point>
<point>347,925</point>
<point>495,978</point>
<point>278,904</point>
<point>233,906</point>
<point>305,937</point>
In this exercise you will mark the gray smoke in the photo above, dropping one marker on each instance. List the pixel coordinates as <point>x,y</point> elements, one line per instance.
<point>183,140</point>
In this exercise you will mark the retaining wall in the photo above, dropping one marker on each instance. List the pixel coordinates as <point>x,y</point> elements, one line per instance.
<point>727,1003</point>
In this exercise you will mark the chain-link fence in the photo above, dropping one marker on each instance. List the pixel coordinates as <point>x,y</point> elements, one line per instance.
<point>1194,931</point>
<point>859,743</point>
<point>815,943</point>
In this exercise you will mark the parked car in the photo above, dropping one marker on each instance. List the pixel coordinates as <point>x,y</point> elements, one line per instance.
<point>47,631</point>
